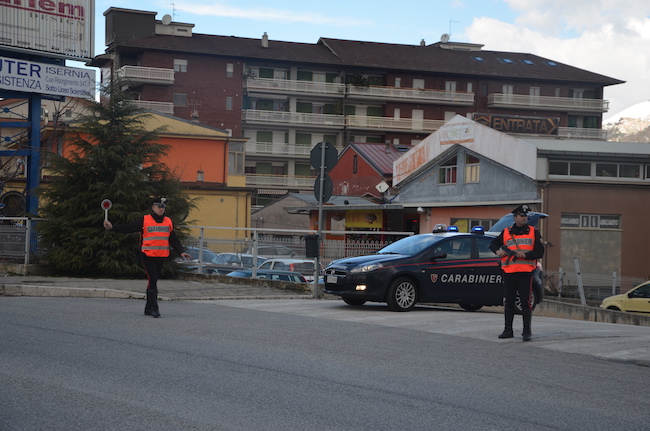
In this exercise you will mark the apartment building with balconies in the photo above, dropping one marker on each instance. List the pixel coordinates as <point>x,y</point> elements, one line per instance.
<point>285,97</point>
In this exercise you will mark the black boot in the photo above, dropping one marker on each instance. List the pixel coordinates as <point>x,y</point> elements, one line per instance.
<point>528,317</point>
<point>147,307</point>
<point>509,317</point>
<point>152,300</point>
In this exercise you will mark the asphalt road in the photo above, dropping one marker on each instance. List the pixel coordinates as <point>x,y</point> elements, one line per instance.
<point>85,363</point>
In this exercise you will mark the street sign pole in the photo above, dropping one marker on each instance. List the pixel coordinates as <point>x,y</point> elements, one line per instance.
<point>323,157</point>
<point>320,219</point>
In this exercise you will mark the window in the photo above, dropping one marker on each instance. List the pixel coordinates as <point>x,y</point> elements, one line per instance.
<point>551,63</point>
<point>180,99</point>
<point>418,83</point>
<point>528,62</point>
<point>471,169</point>
<point>450,86</point>
<point>470,87</point>
<point>398,82</point>
<point>618,170</point>
<point>180,65</point>
<point>448,172</point>
<point>456,249</point>
<point>228,103</point>
<point>466,224</point>
<point>534,95</point>
<point>264,136</point>
<point>236,158</point>
<point>580,169</point>
<point>354,164</point>
<point>230,70</point>
<point>601,170</point>
<point>477,58</point>
<point>305,75</point>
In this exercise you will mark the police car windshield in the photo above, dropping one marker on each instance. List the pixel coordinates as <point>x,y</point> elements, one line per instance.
<point>410,245</point>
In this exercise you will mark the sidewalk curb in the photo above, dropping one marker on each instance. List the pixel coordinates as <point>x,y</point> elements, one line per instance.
<point>73,292</point>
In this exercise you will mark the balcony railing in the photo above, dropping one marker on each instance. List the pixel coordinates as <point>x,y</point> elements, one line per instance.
<point>293,118</point>
<point>276,148</point>
<point>162,107</point>
<point>146,75</point>
<point>294,86</point>
<point>582,133</point>
<point>288,86</point>
<point>500,100</point>
<point>411,95</point>
<point>387,123</point>
<point>297,182</point>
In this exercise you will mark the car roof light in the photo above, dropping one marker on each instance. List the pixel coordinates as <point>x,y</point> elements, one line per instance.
<point>452,228</point>
<point>478,230</point>
<point>440,227</point>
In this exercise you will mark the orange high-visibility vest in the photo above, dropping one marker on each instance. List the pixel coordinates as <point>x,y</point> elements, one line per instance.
<point>155,236</point>
<point>516,243</point>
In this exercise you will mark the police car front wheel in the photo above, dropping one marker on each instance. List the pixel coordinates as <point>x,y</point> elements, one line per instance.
<point>402,294</point>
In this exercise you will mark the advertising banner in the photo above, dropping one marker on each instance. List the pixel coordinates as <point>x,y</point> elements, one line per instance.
<point>33,77</point>
<point>61,27</point>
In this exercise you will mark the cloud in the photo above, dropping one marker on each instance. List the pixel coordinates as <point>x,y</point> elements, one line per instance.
<point>267,14</point>
<point>612,43</point>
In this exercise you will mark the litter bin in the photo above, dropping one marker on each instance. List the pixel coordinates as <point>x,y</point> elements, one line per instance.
<point>312,245</point>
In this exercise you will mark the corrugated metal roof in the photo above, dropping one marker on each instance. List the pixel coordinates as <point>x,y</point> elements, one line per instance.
<point>379,156</point>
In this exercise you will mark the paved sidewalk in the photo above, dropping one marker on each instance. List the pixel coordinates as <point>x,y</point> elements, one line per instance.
<point>168,290</point>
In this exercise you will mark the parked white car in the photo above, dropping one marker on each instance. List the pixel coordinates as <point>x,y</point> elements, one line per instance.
<point>302,266</point>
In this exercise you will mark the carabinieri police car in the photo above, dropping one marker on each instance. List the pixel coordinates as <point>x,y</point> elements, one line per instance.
<point>446,267</point>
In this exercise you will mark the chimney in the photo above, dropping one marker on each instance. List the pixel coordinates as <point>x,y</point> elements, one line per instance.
<point>265,40</point>
<point>423,43</point>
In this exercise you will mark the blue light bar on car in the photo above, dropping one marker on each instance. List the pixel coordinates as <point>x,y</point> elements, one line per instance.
<point>478,230</point>
<point>452,228</point>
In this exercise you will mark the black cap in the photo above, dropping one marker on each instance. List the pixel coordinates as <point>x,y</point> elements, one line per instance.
<point>521,209</point>
<point>159,200</point>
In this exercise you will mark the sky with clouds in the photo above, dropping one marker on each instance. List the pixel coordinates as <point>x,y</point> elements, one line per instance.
<point>609,37</point>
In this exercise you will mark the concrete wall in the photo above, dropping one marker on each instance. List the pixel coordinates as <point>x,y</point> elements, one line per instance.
<point>590,314</point>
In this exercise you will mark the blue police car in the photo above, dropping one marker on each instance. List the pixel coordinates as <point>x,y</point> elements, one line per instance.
<point>444,267</point>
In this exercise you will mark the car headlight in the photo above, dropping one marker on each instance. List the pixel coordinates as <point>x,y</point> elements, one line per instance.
<point>366,268</point>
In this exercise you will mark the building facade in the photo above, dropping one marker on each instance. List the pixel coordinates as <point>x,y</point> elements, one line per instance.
<point>285,97</point>
<point>595,193</point>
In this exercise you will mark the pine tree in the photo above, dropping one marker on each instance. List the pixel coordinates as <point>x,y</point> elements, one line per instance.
<point>108,155</point>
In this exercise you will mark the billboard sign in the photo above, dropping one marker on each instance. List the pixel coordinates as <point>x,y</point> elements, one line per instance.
<point>43,78</point>
<point>61,28</point>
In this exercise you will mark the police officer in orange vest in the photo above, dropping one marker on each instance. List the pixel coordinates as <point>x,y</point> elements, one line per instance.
<point>523,246</point>
<point>157,234</point>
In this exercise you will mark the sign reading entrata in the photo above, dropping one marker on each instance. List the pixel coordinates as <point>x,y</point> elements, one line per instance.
<point>64,28</point>
<point>32,77</point>
<point>518,124</point>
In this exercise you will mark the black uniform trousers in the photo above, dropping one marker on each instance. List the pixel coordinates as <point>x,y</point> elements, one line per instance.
<point>518,282</point>
<point>153,266</point>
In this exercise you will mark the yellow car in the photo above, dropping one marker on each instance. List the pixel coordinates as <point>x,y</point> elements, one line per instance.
<point>636,300</point>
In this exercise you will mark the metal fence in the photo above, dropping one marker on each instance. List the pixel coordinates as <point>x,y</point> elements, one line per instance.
<point>18,240</point>
<point>290,243</point>
<point>19,244</point>
<point>595,287</point>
